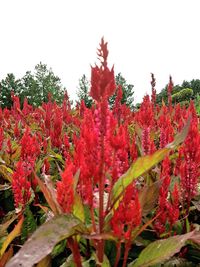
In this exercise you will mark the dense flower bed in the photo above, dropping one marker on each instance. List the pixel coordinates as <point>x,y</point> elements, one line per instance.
<point>122,178</point>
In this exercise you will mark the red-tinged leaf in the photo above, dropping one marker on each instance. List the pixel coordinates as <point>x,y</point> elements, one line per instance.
<point>46,262</point>
<point>43,240</point>
<point>103,236</point>
<point>161,250</point>
<point>143,164</point>
<point>48,196</point>
<point>44,208</point>
<point>6,257</point>
<point>15,232</point>
<point>148,197</point>
<point>52,191</point>
<point>6,224</point>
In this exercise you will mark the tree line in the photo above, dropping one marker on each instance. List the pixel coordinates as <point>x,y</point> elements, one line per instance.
<point>36,87</point>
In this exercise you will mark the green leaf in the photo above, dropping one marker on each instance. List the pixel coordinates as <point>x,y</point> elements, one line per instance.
<point>43,240</point>
<point>6,172</point>
<point>143,164</point>
<point>78,209</point>
<point>93,261</point>
<point>59,248</point>
<point>161,250</point>
<point>56,156</point>
<point>16,155</point>
<point>29,224</point>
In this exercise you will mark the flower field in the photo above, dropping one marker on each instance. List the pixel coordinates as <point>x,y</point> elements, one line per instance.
<point>100,186</point>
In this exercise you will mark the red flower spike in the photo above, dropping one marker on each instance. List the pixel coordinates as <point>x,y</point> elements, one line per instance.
<point>102,78</point>
<point>65,189</point>
<point>56,130</point>
<point>21,186</point>
<point>169,211</point>
<point>128,215</point>
<point>174,214</point>
<point>1,137</point>
<point>102,52</point>
<point>29,149</point>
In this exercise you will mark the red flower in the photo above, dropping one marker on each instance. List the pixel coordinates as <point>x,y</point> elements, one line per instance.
<point>57,128</point>
<point>1,137</point>
<point>169,210</point>
<point>65,189</point>
<point>189,168</point>
<point>128,215</point>
<point>102,78</point>
<point>21,186</point>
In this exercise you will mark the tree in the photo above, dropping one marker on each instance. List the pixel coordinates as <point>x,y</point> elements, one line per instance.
<point>35,87</point>
<point>194,85</point>
<point>39,85</point>
<point>197,104</point>
<point>7,86</point>
<point>184,95</point>
<point>127,90</point>
<point>83,91</point>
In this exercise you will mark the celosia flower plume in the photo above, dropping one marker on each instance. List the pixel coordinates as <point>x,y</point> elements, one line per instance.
<point>102,78</point>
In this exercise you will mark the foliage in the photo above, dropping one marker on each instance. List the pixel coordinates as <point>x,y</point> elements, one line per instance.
<point>83,91</point>
<point>183,95</point>
<point>99,186</point>
<point>127,89</point>
<point>7,86</point>
<point>35,87</point>
<point>193,84</point>
<point>197,104</point>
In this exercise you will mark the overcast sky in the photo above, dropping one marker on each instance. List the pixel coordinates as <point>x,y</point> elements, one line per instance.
<point>143,36</point>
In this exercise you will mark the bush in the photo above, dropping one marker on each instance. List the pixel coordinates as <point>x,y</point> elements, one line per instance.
<point>184,95</point>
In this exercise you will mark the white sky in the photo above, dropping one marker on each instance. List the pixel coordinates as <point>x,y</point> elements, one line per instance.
<point>159,36</point>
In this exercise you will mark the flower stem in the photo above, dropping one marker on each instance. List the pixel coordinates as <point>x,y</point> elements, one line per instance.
<point>118,254</point>
<point>75,251</point>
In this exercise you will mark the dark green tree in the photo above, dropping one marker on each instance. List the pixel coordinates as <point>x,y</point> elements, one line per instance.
<point>193,84</point>
<point>36,87</point>
<point>197,104</point>
<point>83,91</point>
<point>39,85</point>
<point>7,86</point>
<point>127,89</point>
